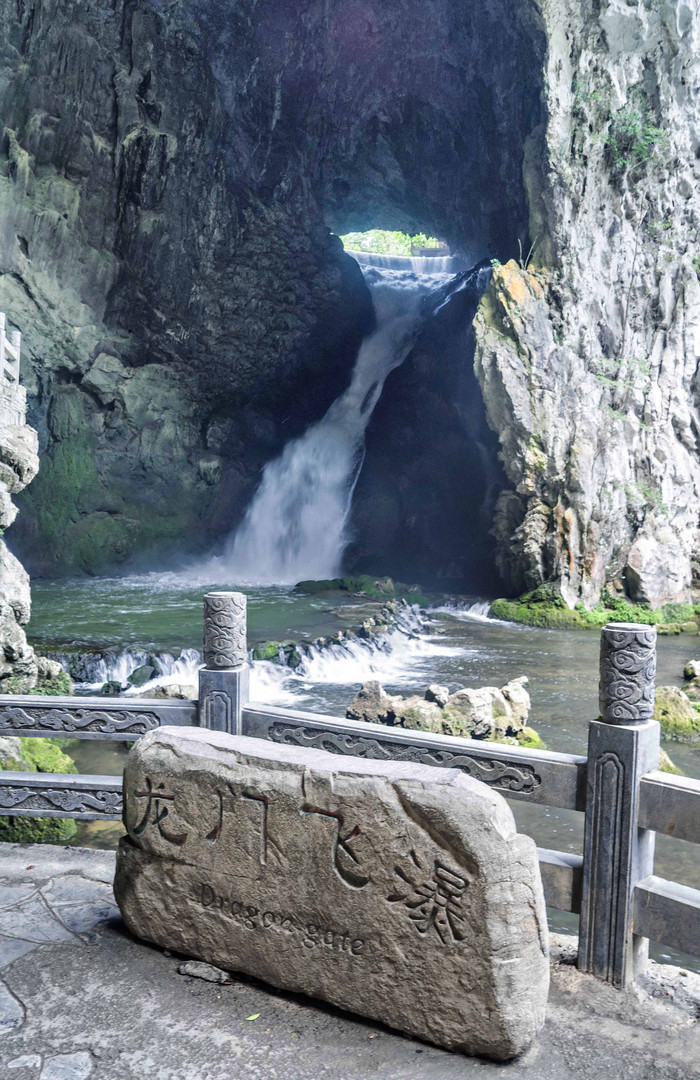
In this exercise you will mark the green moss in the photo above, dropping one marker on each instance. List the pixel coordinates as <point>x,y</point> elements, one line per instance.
<point>15,830</point>
<point>529,738</point>
<point>267,650</point>
<point>46,756</point>
<point>678,716</point>
<point>545,606</point>
<point>366,585</point>
<point>42,755</point>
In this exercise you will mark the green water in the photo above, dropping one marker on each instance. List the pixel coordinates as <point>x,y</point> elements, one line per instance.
<point>163,613</point>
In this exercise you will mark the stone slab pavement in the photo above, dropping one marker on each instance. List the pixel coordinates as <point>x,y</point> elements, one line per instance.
<point>80,999</point>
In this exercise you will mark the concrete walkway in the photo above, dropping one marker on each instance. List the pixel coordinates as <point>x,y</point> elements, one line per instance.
<point>82,1000</point>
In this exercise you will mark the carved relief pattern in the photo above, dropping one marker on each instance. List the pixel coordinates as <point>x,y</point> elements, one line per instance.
<point>499,774</point>
<point>224,630</point>
<point>602,923</point>
<point>14,718</point>
<point>627,674</point>
<point>100,804</point>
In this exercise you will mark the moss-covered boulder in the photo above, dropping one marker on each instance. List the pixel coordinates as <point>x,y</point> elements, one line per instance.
<point>679,719</point>
<point>35,755</point>
<point>376,588</point>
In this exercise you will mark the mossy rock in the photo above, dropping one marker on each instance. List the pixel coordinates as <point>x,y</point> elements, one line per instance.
<point>267,650</point>
<point>43,755</point>
<point>61,686</point>
<point>529,738</point>
<point>536,614</point>
<point>545,607</point>
<point>46,756</point>
<point>679,719</point>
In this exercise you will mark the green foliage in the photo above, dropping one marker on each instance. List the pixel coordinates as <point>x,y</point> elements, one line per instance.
<point>17,830</point>
<point>46,756</point>
<point>384,242</point>
<point>633,140</point>
<point>545,606</point>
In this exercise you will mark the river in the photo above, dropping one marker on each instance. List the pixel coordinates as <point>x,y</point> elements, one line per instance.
<point>458,646</point>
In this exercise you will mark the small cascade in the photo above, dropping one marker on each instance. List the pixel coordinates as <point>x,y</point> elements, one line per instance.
<point>90,671</point>
<point>421,266</point>
<point>469,611</point>
<point>296,526</point>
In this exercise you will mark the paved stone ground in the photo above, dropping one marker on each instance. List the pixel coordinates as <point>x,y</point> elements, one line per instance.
<point>82,1000</point>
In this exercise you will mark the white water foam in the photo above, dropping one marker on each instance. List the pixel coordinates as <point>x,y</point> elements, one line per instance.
<point>477,611</point>
<point>296,526</point>
<point>401,657</point>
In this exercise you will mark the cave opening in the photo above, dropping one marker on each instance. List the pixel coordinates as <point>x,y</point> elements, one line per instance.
<point>426,149</point>
<point>429,475</point>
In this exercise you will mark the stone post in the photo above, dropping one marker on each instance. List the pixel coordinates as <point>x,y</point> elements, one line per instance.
<point>223,681</point>
<point>623,745</point>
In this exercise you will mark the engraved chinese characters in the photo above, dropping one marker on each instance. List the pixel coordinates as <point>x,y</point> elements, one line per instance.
<point>224,630</point>
<point>627,673</point>
<point>392,889</point>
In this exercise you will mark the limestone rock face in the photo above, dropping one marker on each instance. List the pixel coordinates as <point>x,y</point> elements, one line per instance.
<point>482,713</point>
<point>169,174</point>
<point>393,890</point>
<point>18,466</point>
<point>588,358</point>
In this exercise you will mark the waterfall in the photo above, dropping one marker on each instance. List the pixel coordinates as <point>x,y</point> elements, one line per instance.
<point>296,525</point>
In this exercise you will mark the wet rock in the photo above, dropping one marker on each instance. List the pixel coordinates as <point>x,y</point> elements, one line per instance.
<point>312,874</point>
<point>173,691</point>
<point>692,670</point>
<point>141,675</point>
<point>112,688</point>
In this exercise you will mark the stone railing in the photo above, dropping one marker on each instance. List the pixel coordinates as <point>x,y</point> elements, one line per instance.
<point>13,397</point>
<point>625,799</point>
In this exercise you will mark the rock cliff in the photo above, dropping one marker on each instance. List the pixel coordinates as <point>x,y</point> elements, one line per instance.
<point>168,177</point>
<point>170,174</point>
<point>588,357</point>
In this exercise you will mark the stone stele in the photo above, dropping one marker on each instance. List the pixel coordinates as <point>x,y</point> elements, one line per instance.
<point>391,889</point>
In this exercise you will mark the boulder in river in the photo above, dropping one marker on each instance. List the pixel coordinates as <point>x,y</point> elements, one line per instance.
<point>679,719</point>
<point>484,713</point>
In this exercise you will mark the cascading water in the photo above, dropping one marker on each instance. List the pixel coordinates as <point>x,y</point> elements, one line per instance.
<point>296,525</point>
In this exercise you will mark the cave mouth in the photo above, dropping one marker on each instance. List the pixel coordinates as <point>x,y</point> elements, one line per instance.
<point>423,502</point>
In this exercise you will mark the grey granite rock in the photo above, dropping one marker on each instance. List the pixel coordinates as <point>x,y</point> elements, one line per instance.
<point>389,889</point>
